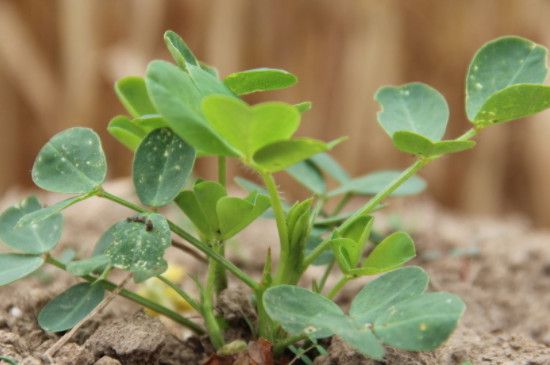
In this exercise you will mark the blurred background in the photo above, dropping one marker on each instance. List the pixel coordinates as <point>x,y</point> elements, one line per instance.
<point>60,58</point>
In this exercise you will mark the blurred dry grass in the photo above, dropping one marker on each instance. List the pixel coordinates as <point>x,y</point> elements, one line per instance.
<point>59,59</point>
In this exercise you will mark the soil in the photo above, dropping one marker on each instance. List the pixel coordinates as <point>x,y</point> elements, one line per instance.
<point>500,267</point>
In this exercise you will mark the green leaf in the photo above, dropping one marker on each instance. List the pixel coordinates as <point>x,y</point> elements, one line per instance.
<point>499,64</point>
<point>313,241</point>
<point>386,291</point>
<point>300,311</point>
<point>421,323</point>
<point>514,102</point>
<point>189,204</point>
<point>413,107</point>
<point>392,252</point>
<point>250,186</point>
<point>35,239</point>
<point>249,128</point>
<point>72,162</point>
<point>342,247</point>
<point>177,98</point>
<point>416,144</point>
<point>235,214</point>
<point>89,265</point>
<point>375,182</point>
<point>309,175</point>
<point>280,155</point>
<point>70,307</point>
<point>104,241</point>
<point>350,241</point>
<point>150,122</point>
<point>162,164</point>
<point>45,214</point>
<point>361,338</point>
<point>328,164</point>
<point>304,106</point>
<point>208,194</point>
<point>138,245</point>
<point>132,93</point>
<point>179,50</point>
<point>15,266</point>
<point>259,79</point>
<point>126,132</point>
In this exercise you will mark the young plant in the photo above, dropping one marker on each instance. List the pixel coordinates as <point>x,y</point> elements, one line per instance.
<point>178,113</point>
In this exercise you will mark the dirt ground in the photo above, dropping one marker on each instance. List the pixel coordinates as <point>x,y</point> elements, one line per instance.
<point>500,267</point>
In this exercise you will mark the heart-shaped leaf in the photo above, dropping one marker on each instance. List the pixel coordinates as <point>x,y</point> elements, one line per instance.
<point>138,245</point>
<point>89,265</point>
<point>416,144</point>
<point>375,182</point>
<point>234,214</point>
<point>70,307</point>
<point>280,155</point>
<point>330,166</point>
<point>413,107</point>
<point>514,102</point>
<point>392,252</point>
<point>162,164</point>
<point>386,291</point>
<point>132,93</point>
<point>361,338</point>
<point>72,162</point>
<point>179,50</point>
<point>499,64</point>
<point>246,128</point>
<point>301,311</point>
<point>421,323</point>
<point>259,79</point>
<point>16,266</point>
<point>309,175</point>
<point>126,132</point>
<point>176,97</point>
<point>35,238</point>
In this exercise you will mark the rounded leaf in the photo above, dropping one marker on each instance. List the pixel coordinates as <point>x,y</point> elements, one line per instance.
<point>72,162</point>
<point>70,307</point>
<point>132,93</point>
<point>34,238</point>
<point>416,144</point>
<point>162,164</point>
<point>126,132</point>
<point>16,266</point>
<point>392,252</point>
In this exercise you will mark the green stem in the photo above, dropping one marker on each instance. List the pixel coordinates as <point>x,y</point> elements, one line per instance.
<point>282,228</point>
<point>210,320</point>
<point>283,344</point>
<point>469,134</point>
<point>189,238</point>
<point>339,286</point>
<point>196,306</point>
<point>220,276</point>
<point>326,274</point>
<point>136,298</point>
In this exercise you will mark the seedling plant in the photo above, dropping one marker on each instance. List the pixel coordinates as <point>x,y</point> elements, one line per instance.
<point>182,112</point>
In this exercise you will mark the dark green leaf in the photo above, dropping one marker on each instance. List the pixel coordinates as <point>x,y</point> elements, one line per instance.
<point>162,164</point>
<point>72,162</point>
<point>259,79</point>
<point>70,307</point>
<point>132,93</point>
<point>499,64</point>
<point>309,175</point>
<point>126,132</point>
<point>16,266</point>
<point>414,107</point>
<point>416,144</point>
<point>34,238</point>
<point>375,182</point>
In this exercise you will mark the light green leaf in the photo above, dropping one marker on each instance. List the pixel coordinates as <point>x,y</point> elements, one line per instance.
<point>132,93</point>
<point>208,194</point>
<point>514,102</point>
<point>342,247</point>
<point>375,182</point>
<point>246,128</point>
<point>235,214</point>
<point>413,107</point>
<point>150,122</point>
<point>176,97</point>
<point>126,132</point>
<point>392,252</point>
<point>350,241</point>
<point>72,162</point>
<point>179,50</point>
<point>301,311</point>
<point>304,106</point>
<point>138,245</point>
<point>45,214</point>
<point>386,291</point>
<point>416,144</point>
<point>89,265</point>
<point>38,238</point>
<point>16,266</point>
<point>421,323</point>
<point>259,79</point>
<point>162,164</point>
<point>70,307</point>
<point>499,64</point>
<point>330,166</point>
<point>188,203</point>
<point>309,175</point>
<point>280,155</point>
